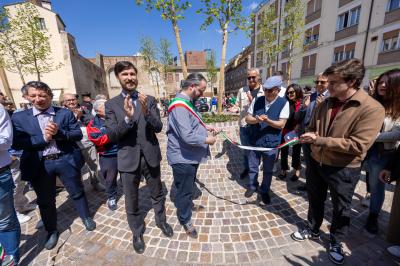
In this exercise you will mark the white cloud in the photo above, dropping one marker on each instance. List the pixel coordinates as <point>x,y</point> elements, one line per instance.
<point>253,6</point>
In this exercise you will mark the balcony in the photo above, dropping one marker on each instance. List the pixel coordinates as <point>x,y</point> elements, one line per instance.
<point>388,57</point>
<point>310,45</point>
<point>313,16</point>
<point>346,32</point>
<point>392,16</point>
<point>308,72</point>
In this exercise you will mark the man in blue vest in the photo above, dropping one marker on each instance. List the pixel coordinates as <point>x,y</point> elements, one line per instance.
<point>267,116</point>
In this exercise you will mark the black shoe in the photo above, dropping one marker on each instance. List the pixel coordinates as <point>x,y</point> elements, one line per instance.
<point>138,244</point>
<point>302,188</point>
<point>282,176</point>
<point>190,230</point>
<point>304,234</point>
<point>98,187</point>
<point>244,174</point>
<point>336,254</point>
<point>89,224</point>
<point>51,240</point>
<point>294,177</point>
<point>372,224</point>
<point>166,229</point>
<point>266,199</point>
<point>249,193</point>
<point>59,190</point>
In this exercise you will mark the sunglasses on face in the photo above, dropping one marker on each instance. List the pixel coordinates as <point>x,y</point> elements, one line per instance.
<point>291,92</point>
<point>251,77</point>
<point>322,82</point>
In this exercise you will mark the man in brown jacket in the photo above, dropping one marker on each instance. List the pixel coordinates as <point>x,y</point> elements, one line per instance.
<point>341,131</point>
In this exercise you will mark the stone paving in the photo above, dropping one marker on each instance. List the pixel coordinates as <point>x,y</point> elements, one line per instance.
<point>232,229</point>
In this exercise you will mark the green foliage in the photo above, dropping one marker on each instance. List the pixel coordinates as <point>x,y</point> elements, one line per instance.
<point>29,41</point>
<point>165,56</point>
<point>170,9</point>
<point>212,70</point>
<point>218,118</point>
<point>148,50</point>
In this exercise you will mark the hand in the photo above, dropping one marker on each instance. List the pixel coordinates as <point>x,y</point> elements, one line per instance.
<point>319,99</point>
<point>210,140</point>
<point>249,97</point>
<point>143,101</point>
<point>263,118</point>
<point>371,87</point>
<point>78,113</point>
<point>307,101</point>
<point>309,137</point>
<point>384,176</point>
<point>50,130</point>
<point>129,107</point>
<point>213,130</point>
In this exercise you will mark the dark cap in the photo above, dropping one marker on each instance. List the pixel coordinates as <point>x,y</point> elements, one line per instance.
<point>85,94</point>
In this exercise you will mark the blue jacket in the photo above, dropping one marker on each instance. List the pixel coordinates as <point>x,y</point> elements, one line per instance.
<point>261,134</point>
<point>29,138</point>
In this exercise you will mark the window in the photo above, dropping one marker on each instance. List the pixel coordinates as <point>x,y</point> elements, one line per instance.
<point>313,6</point>
<point>393,4</point>
<point>41,23</point>
<point>344,52</point>
<point>391,40</point>
<point>348,18</point>
<point>311,35</point>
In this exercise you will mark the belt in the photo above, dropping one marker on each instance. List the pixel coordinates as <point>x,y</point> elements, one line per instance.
<point>52,156</point>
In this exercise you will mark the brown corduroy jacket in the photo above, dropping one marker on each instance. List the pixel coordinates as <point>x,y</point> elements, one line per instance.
<point>351,134</point>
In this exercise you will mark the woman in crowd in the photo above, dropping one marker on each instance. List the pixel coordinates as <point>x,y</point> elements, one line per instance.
<point>294,94</point>
<point>107,152</point>
<point>387,92</point>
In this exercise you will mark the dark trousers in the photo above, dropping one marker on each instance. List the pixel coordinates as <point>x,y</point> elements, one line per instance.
<point>131,181</point>
<point>296,164</point>
<point>109,171</point>
<point>268,158</point>
<point>45,189</point>
<point>184,177</point>
<point>341,182</point>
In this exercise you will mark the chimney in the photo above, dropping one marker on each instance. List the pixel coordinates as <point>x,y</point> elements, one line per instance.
<point>46,4</point>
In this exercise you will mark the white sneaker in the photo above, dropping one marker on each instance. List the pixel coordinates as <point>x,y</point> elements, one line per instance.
<point>22,218</point>
<point>394,250</point>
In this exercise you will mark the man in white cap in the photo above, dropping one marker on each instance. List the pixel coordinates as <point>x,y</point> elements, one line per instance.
<point>267,116</point>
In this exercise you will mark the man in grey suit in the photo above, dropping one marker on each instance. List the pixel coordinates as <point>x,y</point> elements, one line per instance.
<point>132,121</point>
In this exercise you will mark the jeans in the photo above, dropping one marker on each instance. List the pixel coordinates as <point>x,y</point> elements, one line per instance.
<point>10,231</point>
<point>109,171</point>
<point>184,177</point>
<point>244,140</point>
<point>341,182</point>
<point>376,163</point>
<point>268,158</point>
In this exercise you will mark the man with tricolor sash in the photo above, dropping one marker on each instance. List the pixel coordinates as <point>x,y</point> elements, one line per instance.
<point>188,145</point>
<point>267,116</point>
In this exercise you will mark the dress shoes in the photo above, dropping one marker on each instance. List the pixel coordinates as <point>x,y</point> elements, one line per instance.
<point>89,224</point>
<point>190,230</point>
<point>266,199</point>
<point>51,240</point>
<point>98,187</point>
<point>138,244</point>
<point>166,229</point>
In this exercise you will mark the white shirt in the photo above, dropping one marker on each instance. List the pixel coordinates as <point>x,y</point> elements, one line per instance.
<point>243,103</point>
<point>282,92</point>
<point>284,112</point>
<point>6,136</point>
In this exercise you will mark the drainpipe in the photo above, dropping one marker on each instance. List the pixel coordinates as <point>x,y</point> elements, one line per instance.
<point>367,33</point>
<point>279,32</point>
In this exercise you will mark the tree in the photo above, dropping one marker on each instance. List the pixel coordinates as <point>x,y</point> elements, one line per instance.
<point>10,56</point>
<point>171,10</point>
<point>294,29</point>
<point>268,33</point>
<point>32,41</point>
<point>224,12</point>
<point>165,57</point>
<point>212,70</point>
<point>148,50</point>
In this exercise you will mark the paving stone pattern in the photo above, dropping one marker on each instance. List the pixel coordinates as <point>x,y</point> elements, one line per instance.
<point>232,229</point>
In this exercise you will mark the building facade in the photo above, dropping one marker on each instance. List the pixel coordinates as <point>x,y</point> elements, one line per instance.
<point>236,71</point>
<point>336,30</point>
<point>75,75</point>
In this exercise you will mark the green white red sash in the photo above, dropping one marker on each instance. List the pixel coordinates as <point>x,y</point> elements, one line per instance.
<point>175,102</point>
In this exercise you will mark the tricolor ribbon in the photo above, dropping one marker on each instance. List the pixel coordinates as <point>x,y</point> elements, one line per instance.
<point>175,102</point>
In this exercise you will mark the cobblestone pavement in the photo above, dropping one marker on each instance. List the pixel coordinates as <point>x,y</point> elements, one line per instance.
<point>232,229</point>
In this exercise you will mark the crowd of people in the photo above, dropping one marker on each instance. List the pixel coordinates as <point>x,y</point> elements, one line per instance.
<point>338,128</point>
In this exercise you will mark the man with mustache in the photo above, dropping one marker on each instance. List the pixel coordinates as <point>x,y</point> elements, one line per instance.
<point>132,121</point>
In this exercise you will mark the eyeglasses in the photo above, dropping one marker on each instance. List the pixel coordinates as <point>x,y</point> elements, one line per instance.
<point>251,77</point>
<point>69,100</point>
<point>322,82</point>
<point>291,92</point>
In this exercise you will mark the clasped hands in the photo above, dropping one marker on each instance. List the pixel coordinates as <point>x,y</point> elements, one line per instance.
<point>50,130</point>
<point>129,107</point>
<point>214,131</point>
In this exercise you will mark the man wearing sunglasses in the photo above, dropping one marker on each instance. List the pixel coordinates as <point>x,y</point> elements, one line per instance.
<point>243,100</point>
<point>267,116</point>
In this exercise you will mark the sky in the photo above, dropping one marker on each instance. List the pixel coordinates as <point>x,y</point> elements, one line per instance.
<point>116,27</point>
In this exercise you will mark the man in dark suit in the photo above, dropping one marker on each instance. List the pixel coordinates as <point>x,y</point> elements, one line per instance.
<point>47,136</point>
<point>132,121</point>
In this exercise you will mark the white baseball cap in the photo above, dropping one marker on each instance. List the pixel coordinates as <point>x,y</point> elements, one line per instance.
<point>272,82</point>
